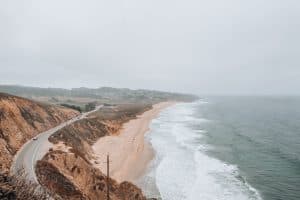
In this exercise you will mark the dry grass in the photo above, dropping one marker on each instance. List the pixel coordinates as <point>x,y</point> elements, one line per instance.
<point>17,187</point>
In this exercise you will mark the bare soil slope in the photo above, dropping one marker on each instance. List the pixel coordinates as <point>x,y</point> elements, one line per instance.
<point>22,119</point>
<point>72,177</point>
<point>70,171</point>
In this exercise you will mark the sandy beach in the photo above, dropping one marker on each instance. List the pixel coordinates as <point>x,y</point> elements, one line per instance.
<point>129,152</point>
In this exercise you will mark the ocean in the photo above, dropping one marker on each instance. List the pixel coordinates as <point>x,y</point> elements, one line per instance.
<point>233,148</point>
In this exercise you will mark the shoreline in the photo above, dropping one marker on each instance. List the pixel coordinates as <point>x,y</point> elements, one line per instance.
<point>129,152</point>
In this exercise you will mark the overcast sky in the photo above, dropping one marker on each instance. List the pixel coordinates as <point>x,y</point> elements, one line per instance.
<point>198,46</point>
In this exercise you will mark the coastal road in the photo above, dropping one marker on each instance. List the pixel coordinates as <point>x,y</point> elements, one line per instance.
<point>34,149</point>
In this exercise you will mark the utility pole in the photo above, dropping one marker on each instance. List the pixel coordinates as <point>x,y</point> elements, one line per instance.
<point>107,176</point>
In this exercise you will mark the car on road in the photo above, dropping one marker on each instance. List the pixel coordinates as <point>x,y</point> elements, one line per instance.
<point>35,138</point>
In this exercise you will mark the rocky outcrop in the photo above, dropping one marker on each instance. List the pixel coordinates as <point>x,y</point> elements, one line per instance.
<point>22,119</point>
<point>72,177</point>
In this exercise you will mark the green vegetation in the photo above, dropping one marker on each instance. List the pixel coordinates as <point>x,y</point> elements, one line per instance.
<point>90,106</point>
<point>101,95</point>
<point>74,107</point>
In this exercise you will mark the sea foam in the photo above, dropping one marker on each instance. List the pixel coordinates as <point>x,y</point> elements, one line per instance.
<point>182,170</point>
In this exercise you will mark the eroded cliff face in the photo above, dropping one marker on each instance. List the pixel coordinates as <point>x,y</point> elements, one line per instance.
<point>22,119</point>
<point>72,177</point>
<point>84,133</point>
<point>68,171</point>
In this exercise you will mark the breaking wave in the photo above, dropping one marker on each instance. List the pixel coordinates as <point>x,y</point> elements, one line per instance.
<point>182,170</point>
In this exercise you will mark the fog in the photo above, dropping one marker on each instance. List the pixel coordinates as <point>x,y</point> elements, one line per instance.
<point>196,46</point>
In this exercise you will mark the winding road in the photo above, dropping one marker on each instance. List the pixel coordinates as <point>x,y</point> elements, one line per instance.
<point>34,149</point>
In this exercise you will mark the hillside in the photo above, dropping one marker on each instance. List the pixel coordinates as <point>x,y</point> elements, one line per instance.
<point>69,171</point>
<point>22,119</point>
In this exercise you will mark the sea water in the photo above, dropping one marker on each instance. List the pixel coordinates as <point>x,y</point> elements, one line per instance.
<point>219,148</point>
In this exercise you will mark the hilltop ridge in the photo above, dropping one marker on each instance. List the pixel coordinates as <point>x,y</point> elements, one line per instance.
<point>101,94</point>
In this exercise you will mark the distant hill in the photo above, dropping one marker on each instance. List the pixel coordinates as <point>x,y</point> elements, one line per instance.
<point>103,94</point>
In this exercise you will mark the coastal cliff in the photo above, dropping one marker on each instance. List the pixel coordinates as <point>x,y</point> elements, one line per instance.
<point>22,119</point>
<point>72,177</point>
<point>68,169</point>
<point>71,169</point>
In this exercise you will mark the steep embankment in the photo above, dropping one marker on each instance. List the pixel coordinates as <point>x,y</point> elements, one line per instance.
<point>22,119</point>
<point>67,170</point>
<point>72,177</point>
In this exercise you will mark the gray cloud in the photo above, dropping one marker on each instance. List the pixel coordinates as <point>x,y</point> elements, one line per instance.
<point>217,46</point>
